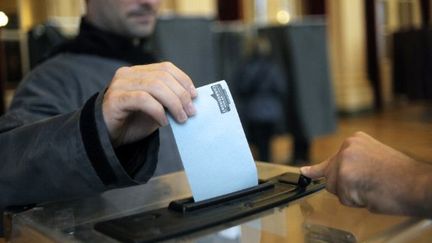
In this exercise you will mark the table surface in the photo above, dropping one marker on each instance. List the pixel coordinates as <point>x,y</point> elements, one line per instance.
<point>317,217</point>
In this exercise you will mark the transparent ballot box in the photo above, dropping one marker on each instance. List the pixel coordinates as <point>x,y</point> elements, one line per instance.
<point>162,210</point>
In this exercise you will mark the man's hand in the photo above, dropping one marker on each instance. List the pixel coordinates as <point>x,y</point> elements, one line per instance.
<point>367,173</point>
<point>135,102</point>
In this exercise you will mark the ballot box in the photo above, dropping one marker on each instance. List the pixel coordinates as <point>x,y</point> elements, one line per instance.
<point>316,216</point>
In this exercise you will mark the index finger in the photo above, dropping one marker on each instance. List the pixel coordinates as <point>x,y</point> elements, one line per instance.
<point>178,74</point>
<point>315,171</point>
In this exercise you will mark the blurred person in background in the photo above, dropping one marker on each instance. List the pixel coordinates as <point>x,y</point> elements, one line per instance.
<point>260,88</point>
<point>86,120</point>
<point>264,97</point>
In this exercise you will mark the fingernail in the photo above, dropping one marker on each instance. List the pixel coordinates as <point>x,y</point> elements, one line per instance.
<point>182,117</point>
<point>193,91</point>
<point>191,109</point>
<point>165,122</point>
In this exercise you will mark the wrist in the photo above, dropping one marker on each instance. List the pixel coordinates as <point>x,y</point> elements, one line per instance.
<point>412,191</point>
<point>422,190</point>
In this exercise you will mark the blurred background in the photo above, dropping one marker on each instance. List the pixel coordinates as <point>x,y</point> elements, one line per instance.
<point>305,74</point>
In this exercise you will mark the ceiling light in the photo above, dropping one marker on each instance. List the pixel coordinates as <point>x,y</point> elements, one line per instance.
<point>283,17</point>
<point>3,19</point>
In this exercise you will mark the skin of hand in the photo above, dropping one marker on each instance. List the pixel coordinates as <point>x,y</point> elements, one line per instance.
<point>135,101</point>
<point>368,173</point>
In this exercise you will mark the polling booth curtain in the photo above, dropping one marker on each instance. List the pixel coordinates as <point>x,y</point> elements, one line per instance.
<point>188,43</point>
<point>208,54</point>
<point>230,46</point>
<point>301,50</point>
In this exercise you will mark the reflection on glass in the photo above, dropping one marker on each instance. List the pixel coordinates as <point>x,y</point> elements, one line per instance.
<point>233,233</point>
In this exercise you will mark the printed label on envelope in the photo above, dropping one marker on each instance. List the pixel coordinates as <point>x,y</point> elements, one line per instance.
<point>213,147</point>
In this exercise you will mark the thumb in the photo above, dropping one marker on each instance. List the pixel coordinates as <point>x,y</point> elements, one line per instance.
<point>314,171</point>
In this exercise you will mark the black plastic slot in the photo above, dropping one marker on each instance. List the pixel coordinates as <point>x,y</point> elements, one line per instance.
<point>188,204</point>
<point>295,179</point>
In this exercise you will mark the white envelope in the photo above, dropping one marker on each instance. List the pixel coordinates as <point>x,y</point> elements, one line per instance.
<point>213,146</point>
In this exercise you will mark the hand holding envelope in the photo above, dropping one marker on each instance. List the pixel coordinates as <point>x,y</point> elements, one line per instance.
<point>213,146</point>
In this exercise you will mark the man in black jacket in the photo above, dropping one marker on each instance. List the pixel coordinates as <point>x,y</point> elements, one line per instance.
<point>87,119</point>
